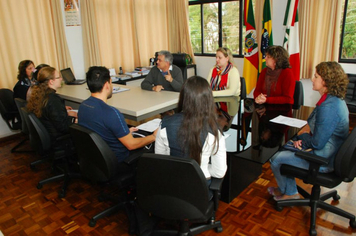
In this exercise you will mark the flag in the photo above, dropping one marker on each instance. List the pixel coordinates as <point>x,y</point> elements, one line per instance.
<point>266,38</point>
<point>291,38</point>
<point>250,71</point>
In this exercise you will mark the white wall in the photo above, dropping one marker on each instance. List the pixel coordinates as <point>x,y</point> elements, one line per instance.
<point>75,45</point>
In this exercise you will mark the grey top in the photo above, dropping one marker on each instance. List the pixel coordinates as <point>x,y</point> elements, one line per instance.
<point>155,77</point>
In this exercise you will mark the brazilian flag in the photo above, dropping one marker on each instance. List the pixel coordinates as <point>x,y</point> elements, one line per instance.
<point>266,37</point>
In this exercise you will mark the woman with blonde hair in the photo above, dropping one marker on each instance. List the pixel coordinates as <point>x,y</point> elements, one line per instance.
<point>224,78</point>
<point>47,105</point>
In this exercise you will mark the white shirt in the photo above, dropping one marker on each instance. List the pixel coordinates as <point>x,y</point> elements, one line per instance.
<point>216,168</point>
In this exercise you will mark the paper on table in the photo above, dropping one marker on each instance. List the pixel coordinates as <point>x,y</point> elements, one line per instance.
<point>289,121</point>
<point>119,89</point>
<point>150,126</point>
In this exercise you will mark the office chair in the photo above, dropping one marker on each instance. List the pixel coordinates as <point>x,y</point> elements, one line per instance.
<point>350,97</point>
<point>98,163</point>
<point>298,95</point>
<point>9,112</point>
<point>40,139</point>
<point>24,128</point>
<point>175,189</point>
<point>344,171</point>
<point>179,59</point>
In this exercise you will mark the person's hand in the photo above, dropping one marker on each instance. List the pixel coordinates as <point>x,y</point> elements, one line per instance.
<point>157,88</point>
<point>69,108</point>
<point>133,129</point>
<point>72,113</point>
<point>260,99</point>
<point>297,143</point>
<point>169,77</point>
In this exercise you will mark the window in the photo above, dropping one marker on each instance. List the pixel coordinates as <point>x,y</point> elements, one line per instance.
<point>215,24</point>
<point>347,51</point>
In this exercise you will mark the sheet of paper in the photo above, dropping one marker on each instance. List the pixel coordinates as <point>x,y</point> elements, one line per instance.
<point>119,89</point>
<point>293,122</point>
<point>150,126</point>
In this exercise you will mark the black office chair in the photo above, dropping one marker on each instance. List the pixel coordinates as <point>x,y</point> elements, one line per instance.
<point>24,128</point>
<point>179,59</point>
<point>41,141</point>
<point>298,95</point>
<point>344,171</point>
<point>350,97</point>
<point>98,163</point>
<point>9,112</point>
<point>175,188</point>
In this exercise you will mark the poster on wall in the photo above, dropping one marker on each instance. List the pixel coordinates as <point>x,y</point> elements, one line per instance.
<point>72,14</point>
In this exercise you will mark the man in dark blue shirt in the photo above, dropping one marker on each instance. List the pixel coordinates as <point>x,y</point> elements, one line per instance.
<point>106,120</point>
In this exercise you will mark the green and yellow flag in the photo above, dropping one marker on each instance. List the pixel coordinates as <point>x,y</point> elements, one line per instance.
<point>266,38</point>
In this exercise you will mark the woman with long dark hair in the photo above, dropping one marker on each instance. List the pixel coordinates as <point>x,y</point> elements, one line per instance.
<point>26,68</point>
<point>193,132</point>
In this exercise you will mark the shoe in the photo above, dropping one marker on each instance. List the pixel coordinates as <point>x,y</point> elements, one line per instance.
<point>286,197</point>
<point>274,191</point>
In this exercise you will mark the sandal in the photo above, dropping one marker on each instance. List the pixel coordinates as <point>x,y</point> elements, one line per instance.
<point>274,191</point>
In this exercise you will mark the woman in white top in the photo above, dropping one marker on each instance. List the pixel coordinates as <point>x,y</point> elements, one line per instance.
<point>193,131</point>
<point>224,78</point>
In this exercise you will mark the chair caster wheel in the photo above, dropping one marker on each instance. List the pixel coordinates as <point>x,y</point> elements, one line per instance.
<point>61,194</point>
<point>101,198</point>
<point>92,223</point>
<point>312,232</point>
<point>279,208</point>
<point>219,229</point>
<point>353,223</point>
<point>39,186</point>
<point>336,197</point>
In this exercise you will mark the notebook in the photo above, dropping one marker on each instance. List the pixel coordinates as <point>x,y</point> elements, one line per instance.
<point>69,78</point>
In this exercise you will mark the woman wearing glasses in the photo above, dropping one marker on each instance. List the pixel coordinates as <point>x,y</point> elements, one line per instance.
<point>224,78</point>
<point>47,105</point>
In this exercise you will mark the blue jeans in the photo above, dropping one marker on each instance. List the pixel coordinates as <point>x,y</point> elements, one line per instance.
<point>286,184</point>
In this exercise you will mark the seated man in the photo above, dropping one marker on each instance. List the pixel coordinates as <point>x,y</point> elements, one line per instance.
<point>107,121</point>
<point>164,75</point>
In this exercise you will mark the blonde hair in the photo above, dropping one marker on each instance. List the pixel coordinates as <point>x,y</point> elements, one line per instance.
<point>227,53</point>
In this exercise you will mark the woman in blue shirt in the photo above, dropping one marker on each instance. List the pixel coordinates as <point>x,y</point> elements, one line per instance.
<point>327,128</point>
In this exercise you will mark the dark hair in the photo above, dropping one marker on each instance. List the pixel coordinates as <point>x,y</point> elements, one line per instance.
<point>22,69</point>
<point>40,92</point>
<point>280,55</point>
<point>38,68</point>
<point>334,76</point>
<point>197,104</point>
<point>97,76</point>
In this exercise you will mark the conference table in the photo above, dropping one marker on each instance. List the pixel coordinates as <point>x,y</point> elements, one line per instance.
<point>257,139</point>
<point>135,104</point>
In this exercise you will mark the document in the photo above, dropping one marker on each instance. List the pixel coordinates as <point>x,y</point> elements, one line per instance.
<point>150,126</point>
<point>293,122</point>
<point>119,89</point>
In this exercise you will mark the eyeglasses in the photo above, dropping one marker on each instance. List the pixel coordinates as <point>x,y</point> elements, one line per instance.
<point>58,77</point>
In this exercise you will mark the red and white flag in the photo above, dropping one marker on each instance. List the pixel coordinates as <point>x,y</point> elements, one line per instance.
<point>291,38</point>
